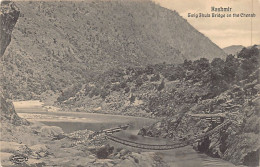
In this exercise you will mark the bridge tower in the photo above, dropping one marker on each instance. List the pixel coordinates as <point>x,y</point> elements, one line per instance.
<point>203,144</point>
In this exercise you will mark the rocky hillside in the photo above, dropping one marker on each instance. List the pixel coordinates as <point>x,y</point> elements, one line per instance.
<point>239,143</point>
<point>173,92</point>
<point>162,85</point>
<point>240,102</point>
<point>8,17</point>
<point>38,145</point>
<point>57,44</point>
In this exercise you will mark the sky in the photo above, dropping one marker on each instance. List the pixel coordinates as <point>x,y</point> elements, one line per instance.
<point>222,31</point>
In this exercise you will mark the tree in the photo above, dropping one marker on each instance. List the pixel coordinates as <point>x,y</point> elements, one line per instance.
<point>132,98</point>
<point>230,68</point>
<point>149,70</point>
<point>104,93</point>
<point>161,86</point>
<point>187,64</point>
<point>127,89</point>
<point>217,63</point>
<point>155,77</point>
<point>249,63</point>
<point>246,53</point>
<point>138,81</point>
<point>201,64</point>
<point>217,67</point>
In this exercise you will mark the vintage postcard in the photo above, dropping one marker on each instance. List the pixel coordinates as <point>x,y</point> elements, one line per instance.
<point>130,83</point>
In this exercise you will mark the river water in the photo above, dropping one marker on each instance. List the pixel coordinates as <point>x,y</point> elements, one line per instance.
<point>72,121</point>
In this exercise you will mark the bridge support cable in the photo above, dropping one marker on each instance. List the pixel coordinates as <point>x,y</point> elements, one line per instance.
<point>167,146</point>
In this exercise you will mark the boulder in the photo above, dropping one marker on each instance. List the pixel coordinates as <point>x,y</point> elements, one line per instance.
<point>9,15</point>
<point>39,150</point>
<point>101,152</point>
<point>50,131</point>
<point>257,87</point>
<point>7,111</point>
<point>104,152</point>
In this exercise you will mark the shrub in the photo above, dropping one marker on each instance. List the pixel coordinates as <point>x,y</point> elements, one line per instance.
<point>69,92</point>
<point>161,86</point>
<point>172,77</point>
<point>104,93</point>
<point>123,84</point>
<point>132,99</point>
<point>149,70</point>
<point>187,64</point>
<point>155,77</point>
<point>127,89</point>
<point>201,64</point>
<point>104,152</point>
<point>138,82</point>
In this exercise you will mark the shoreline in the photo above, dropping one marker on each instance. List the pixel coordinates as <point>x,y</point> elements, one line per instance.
<point>40,103</point>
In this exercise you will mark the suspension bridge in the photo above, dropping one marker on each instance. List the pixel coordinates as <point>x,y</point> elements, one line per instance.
<point>174,145</point>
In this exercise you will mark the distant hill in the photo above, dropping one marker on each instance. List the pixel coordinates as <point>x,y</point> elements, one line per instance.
<point>56,44</point>
<point>234,49</point>
<point>258,46</point>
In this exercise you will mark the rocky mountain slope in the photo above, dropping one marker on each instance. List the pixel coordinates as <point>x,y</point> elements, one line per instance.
<point>187,83</point>
<point>34,144</point>
<point>57,44</point>
<point>173,92</point>
<point>8,17</point>
<point>239,142</point>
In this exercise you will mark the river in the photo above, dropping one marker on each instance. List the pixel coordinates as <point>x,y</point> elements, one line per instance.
<point>72,121</point>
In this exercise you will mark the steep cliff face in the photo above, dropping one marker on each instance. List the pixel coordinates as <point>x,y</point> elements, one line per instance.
<point>239,101</point>
<point>238,143</point>
<point>9,16</point>
<point>7,111</point>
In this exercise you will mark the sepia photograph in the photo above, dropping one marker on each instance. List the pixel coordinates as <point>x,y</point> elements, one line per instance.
<point>130,83</point>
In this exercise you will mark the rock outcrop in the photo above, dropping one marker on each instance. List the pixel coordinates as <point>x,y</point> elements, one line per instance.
<point>7,111</point>
<point>9,16</point>
<point>239,101</point>
<point>239,142</point>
